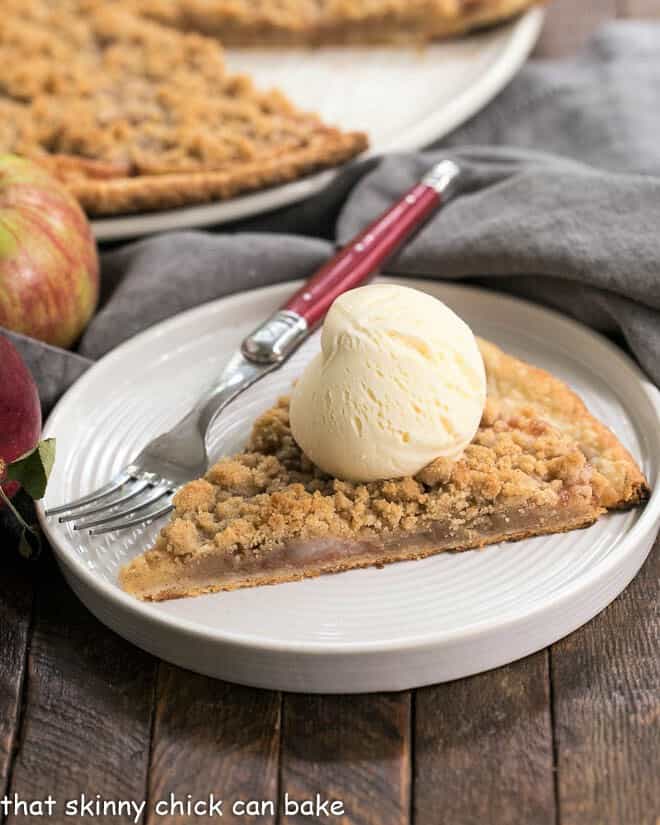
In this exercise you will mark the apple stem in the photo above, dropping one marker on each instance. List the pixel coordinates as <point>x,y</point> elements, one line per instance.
<point>17,515</point>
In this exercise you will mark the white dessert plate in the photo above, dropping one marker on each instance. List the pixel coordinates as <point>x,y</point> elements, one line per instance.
<point>406,625</point>
<point>404,98</point>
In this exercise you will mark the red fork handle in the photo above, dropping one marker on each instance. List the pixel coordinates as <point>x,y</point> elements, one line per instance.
<point>277,337</point>
<point>357,261</point>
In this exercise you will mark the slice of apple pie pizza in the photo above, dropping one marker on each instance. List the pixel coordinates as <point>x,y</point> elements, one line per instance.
<point>539,463</point>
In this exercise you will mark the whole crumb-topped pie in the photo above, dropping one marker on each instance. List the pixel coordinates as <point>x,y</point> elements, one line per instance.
<point>130,104</point>
<point>318,22</point>
<point>133,115</point>
<point>540,463</point>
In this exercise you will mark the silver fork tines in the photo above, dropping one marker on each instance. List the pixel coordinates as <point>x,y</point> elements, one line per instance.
<point>143,517</point>
<point>111,487</point>
<point>129,490</point>
<point>143,491</point>
<point>104,509</point>
<point>109,514</point>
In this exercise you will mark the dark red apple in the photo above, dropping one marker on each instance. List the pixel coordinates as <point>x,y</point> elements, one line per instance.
<point>20,411</point>
<point>49,270</point>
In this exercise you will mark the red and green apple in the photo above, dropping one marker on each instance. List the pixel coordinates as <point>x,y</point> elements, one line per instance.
<point>49,270</point>
<point>20,411</point>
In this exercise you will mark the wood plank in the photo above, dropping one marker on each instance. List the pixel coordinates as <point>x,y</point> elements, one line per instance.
<point>15,611</point>
<point>210,736</point>
<point>483,749</point>
<point>569,24</point>
<point>606,680</point>
<point>87,720</point>
<point>639,8</point>
<point>351,749</point>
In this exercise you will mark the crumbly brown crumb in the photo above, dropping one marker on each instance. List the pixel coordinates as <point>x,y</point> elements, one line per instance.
<point>252,503</point>
<point>89,79</point>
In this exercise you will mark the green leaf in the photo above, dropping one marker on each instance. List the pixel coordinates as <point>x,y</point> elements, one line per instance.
<point>32,469</point>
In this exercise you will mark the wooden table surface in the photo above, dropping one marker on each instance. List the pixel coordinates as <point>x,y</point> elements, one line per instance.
<point>568,736</point>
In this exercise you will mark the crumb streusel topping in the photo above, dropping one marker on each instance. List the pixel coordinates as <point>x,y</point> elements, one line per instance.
<point>250,504</point>
<point>132,115</point>
<point>86,78</point>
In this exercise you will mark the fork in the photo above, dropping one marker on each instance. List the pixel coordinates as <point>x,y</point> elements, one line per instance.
<point>144,490</point>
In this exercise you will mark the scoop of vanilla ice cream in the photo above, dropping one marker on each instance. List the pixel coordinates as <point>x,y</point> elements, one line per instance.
<point>399,382</point>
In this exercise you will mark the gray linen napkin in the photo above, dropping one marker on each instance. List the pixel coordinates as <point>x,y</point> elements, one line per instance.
<point>560,204</point>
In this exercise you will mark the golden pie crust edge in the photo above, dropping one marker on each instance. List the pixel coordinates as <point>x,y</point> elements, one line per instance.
<point>478,13</point>
<point>101,193</point>
<point>398,23</point>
